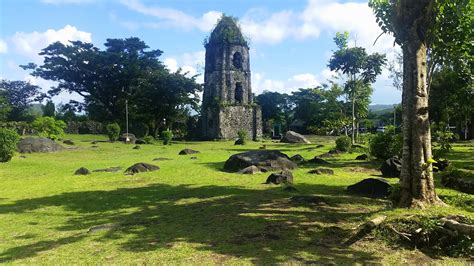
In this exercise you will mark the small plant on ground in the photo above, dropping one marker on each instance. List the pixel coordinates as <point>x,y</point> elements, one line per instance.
<point>113,131</point>
<point>148,139</point>
<point>242,134</point>
<point>49,127</point>
<point>343,143</point>
<point>8,140</point>
<point>386,144</point>
<point>167,136</point>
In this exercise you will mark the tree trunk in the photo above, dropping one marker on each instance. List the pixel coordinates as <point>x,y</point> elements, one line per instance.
<point>466,128</point>
<point>353,120</point>
<point>416,179</point>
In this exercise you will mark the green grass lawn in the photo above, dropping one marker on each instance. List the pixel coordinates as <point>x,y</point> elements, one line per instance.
<point>190,211</point>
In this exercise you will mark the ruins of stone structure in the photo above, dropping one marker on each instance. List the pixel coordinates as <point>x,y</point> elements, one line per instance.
<point>228,101</point>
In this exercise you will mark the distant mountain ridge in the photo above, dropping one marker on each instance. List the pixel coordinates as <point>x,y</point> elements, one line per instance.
<point>381,108</point>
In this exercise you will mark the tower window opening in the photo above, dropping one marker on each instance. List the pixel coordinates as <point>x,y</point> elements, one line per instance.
<point>239,92</point>
<point>237,60</point>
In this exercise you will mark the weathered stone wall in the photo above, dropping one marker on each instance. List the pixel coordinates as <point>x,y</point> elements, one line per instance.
<point>240,117</point>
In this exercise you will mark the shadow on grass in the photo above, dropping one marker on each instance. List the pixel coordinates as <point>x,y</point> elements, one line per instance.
<point>260,225</point>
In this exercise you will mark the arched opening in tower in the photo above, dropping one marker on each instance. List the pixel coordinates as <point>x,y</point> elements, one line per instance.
<point>237,60</point>
<point>239,92</point>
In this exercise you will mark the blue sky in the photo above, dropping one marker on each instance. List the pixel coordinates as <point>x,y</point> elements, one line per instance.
<point>291,41</point>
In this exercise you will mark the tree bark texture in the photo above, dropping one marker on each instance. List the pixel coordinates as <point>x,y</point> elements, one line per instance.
<point>416,179</point>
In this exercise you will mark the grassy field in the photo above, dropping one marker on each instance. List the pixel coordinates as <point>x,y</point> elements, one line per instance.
<point>191,212</point>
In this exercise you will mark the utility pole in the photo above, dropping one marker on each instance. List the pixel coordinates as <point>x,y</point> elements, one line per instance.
<point>127,138</point>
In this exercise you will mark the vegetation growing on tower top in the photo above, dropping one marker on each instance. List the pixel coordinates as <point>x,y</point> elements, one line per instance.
<point>227,31</point>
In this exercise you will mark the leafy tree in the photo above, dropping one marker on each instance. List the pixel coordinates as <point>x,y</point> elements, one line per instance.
<point>8,140</point>
<point>19,95</point>
<point>49,127</point>
<point>361,69</point>
<point>49,109</point>
<point>275,107</point>
<point>308,104</point>
<point>429,32</point>
<point>451,99</point>
<point>5,107</point>
<point>127,70</point>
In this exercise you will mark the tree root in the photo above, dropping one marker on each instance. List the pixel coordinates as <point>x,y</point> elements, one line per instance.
<point>365,229</point>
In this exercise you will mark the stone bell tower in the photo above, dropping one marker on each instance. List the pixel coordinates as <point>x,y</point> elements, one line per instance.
<point>228,101</point>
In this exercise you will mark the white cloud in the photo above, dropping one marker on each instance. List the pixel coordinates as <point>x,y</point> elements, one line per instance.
<point>261,83</point>
<point>174,17</point>
<point>3,47</point>
<point>190,63</point>
<point>29,44</point>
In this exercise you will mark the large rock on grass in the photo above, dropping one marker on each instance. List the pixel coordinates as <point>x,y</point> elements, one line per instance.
<point>371,187</point>
<point>362,157</point>
<point>82,171</point>
<point>266,160</point>
<point>250,170</point>
<point>283,177</point>
<point>391,167</point>
<point>188,151</point>
<point>322,171</point>
<point>30,144</point>
<point>459,180</point>
<point>297,159</point>
<point>318,160</point>
<point>141,167</point>
<point>293,137</point>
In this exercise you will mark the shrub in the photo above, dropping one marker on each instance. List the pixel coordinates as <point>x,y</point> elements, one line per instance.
<point>8,140</point>
<point>386,144</point>
<point>49,127</point>
<point>443,136</point>
<point>113,131</point>
<point>343,143</point>
<point>148,139</point>
<point>242,134</point>
<point>167,136</point>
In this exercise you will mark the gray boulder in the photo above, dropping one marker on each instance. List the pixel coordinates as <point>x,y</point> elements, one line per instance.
<point>30,144</point>
<point>188,151</point>
<point>68,142</point>
<point>250,170</point>
<point>265,160</point>
<point>141,167</point>
<point>297,159</point>
<point>371,187</point>
<point>391,167</point>
<point>284,177</point>
<point>322,171</point>
<point>82,171</point>
<point>362,157</point>
<point>317,160</point>
<point>293,137</point>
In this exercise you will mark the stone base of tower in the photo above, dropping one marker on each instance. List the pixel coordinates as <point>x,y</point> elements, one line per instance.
<point>232,119</point>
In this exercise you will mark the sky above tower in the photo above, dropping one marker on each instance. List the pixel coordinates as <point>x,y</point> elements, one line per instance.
<point>290,41</point>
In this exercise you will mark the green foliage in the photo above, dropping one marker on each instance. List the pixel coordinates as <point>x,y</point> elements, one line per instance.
<point>343,143</point>
<point>148,139</point>
<point>49,127</point>
<point>113,131</point>
<point>167,136</point>
<point>386,144</point>
<point>443,136</point>
<point>243,136</point>
<point>8,141</point>
<point>49,109</point>
<point>17,96</point>
<point>227,30</point>
<point>127,70</point>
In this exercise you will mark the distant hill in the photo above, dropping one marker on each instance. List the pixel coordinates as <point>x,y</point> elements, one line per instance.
<point>381,107</point>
